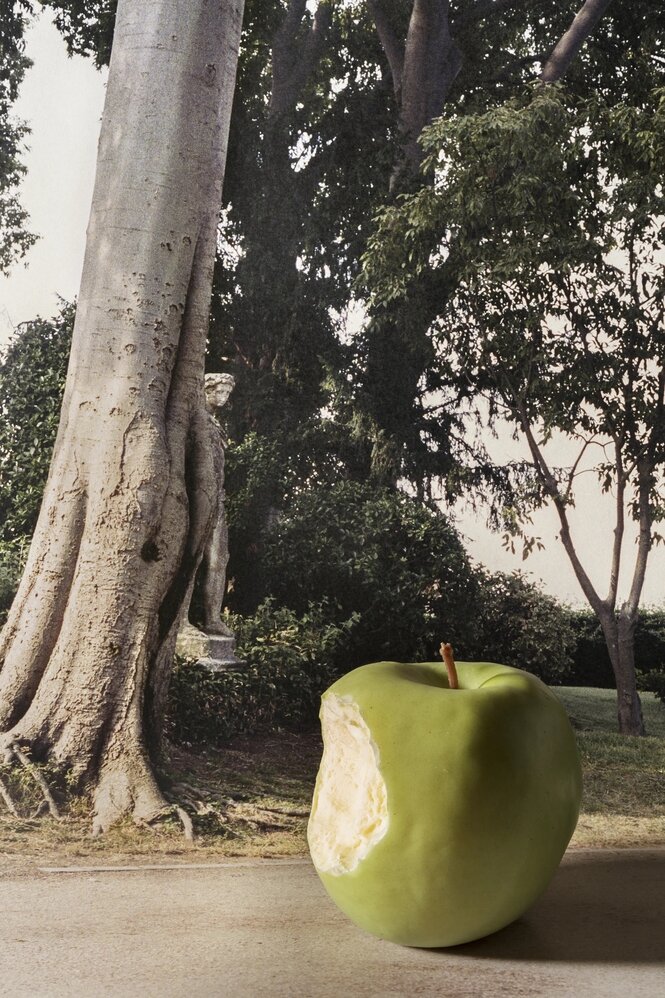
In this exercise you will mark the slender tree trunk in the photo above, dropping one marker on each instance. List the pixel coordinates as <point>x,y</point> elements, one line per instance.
<point>131,496</point>
<point>631,721</point>
<point>619,632</point>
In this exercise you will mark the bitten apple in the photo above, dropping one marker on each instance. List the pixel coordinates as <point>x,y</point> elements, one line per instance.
<point>440,814</point>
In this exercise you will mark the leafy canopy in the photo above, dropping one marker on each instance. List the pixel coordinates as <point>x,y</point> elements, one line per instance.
<point>551,212</point>
<point>15,240</point>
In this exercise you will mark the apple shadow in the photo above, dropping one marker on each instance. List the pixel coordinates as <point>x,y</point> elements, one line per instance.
<point>601,907</point>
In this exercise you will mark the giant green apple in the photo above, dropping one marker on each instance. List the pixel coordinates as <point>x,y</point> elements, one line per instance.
<point>440,814</point>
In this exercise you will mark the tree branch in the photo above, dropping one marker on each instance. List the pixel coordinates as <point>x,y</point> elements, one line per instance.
<point>620,526</point>
<point>551,487</point>
<point>293,63</point>
<point>631,606</point>
<point>573,470</point>
<point>657,434</point>
<point>391,44</point>
<point>572,41</point>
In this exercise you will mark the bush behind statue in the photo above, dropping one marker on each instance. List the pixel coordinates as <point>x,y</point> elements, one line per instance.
<point>290,662</point>
<point>293,658</point>
<point>380,554</point>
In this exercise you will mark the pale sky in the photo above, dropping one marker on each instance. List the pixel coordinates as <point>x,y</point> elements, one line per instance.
<point>62,100</point>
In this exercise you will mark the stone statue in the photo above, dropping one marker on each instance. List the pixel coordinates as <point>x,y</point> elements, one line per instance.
<point>213,644</point>
<point>212,572</point>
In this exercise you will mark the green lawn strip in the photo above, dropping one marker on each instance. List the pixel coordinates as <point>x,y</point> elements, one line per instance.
<point>596,710</point>
<point>624,778</point>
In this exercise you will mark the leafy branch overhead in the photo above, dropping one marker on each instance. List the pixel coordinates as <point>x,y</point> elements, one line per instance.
<point>549,212</point>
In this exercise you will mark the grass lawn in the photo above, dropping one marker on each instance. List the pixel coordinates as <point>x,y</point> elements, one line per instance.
<point>624,778</point>
<point>252,798</point>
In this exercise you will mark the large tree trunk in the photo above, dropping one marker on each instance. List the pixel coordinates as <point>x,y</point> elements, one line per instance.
<point>131,495</point>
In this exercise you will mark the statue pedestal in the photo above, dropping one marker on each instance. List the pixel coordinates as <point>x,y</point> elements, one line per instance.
<point>216,652</point>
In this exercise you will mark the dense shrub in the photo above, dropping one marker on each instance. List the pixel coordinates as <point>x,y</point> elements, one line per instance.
<point>399,566</point>
<point>263,473</point>
<point>291,659</point>
<point>518,624</point>
<point>289,662</point>
<point>32,378</point>
<point>592,666</point>
<point>12,558</point>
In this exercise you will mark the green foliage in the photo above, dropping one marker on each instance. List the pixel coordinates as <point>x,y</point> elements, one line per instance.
<point>517,624</point>
<point>86,25</point>
<point>15,240</point>
<point>383,555</point>
<point>290,662</point>
<point>32,378</point>
<point>12,559</point>
<point>553,228</point>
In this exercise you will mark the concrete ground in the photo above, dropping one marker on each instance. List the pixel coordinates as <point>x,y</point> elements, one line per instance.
<point>268,929</point>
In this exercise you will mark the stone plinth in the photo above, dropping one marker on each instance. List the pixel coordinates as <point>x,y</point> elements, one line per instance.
<point>215,652</point>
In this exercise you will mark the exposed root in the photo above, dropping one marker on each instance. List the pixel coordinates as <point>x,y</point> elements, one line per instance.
<point>7,798</point>
<point>185,820</point>
<point>11,754</point>
<point>39,780</point>
<point>187,825</point>
<point>129,788</point>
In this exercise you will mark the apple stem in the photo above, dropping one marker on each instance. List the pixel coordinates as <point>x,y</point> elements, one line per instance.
<point>446,652</point>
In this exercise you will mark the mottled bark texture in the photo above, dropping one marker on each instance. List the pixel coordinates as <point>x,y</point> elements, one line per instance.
<point>131,495</point>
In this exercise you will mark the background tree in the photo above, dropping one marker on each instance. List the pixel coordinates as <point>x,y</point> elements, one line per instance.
<point>330,103</point>
<point>15,240</point>
<point>331,100</point>
<point>32,379</point>
<point>87,649</point>
<point>557,318</point>
<point>456,58</point>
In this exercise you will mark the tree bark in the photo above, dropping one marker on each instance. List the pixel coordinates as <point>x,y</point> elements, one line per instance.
<point>432,61</point>
<point>619,632</point>
<point>572,41</point>
<point>423,67</point>
<point>131,497</point>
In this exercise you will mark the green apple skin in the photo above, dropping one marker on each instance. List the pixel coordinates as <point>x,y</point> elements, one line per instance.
<point>483,787</point>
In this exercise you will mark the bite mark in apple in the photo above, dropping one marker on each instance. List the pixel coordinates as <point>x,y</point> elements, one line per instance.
<point>350,807</point>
